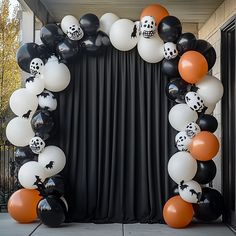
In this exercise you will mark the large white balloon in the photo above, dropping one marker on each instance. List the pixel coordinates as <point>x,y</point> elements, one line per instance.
<point>19,131</point>
<point>52,159</point>
<point>210,89</point>
<point>180,115</point>
<point>56,75</point>
<point>123,36</point>
<point>106,21</point>
<point>34,85</point>
<point>151,49</point>
<point>23,103</point>
<point>31,174</point>
<point>210,108</point>
<point>190,191</point>
<point>182,167</point>
<point>67,21</point>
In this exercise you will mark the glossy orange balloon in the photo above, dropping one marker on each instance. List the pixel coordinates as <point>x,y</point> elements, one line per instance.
<point>192,66</point>
<point>155,10</point>
<point>204,146</point>
<point>22,205</point>
<point>177,213</point>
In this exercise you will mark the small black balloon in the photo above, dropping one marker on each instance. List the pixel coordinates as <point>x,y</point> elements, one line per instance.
<point>206,172</point>
<point>25,54</point>
<point>51,211</point>
<point>170,29</point>
<point>67,49</point>
<point>55,186</point>
<point>51,35</point>
<point>89,23</point>
<point>176,90</point>
<point>207,123</point>
<point>42,123</point>
<point>206,49</point>
<point>186,42</point>
<point>170,67</point>
<point>210,206</point>
<point>23,155</point>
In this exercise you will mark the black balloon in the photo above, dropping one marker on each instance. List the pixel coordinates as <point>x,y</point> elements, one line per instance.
<point>25,54</point>
<point>186,42</point>
<point>207,123</point>
<point>42,123</point>
<point>51,211</point>
<point>206,172</point>
<point>68,49</point>
<point>89,23</point>
<point>210,206</point>
<point>95,44</point>
<point>51,35</point>
<point>170,29</point>
<point>44,52</point>
<point>170,67</point>
<point>206,49</point>
<point>23,155</point>
<point>176,90</point>
<point>54,186</point>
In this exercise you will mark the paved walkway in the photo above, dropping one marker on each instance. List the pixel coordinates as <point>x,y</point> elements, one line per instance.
<point>9,227</point>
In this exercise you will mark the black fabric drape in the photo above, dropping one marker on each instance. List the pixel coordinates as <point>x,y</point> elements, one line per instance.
<point>113,127</point>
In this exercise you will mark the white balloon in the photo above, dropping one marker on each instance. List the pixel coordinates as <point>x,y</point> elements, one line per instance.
<point>36,67</point>
<point>37,145</point>
<point>190,191</point>
<point>192,129</point>
<point>56,75</point>
<point>19,131</point>
<point>180,115</point>
<point>123,36</point>
<point>52,159</point>
<point>23,103</point>
<point>194,101</point>
<point>170,50</point>
<point>67,21</point>
<point>182,141</point>
<point>106,21</point>
<point>210,89</point>
<point>182,167</point>
<point>47,100</point>
<point>210,108</point>
<point>151,49</point>
<point>31,173</point>
<point>148,26</point>
<point>34,85</point>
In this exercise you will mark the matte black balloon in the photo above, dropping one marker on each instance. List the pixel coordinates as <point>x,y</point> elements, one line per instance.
<point>51,211</point>
<point>23,155</point>
<point>25,54</point>
<point>170,67</point>
<point>89,23</point>
<point>206,172</point>
<point>207,123</point>
<point>68,49</point>
<point>211,205</point>
<point>95,44</point>
<point>42,123</point>
<point>186,42</point>
<point>176,90</point>
<point>55,186</point>
<point>170,29</point>
<point>206,49</point>
<point>51,35</point>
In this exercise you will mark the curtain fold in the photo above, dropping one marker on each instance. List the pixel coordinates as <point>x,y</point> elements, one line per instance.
<point>112,123</point>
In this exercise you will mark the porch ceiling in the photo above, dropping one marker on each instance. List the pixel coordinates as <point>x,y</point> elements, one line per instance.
<point>186,10</point>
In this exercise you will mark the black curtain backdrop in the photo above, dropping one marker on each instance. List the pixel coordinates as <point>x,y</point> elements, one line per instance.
<point>113,126</point>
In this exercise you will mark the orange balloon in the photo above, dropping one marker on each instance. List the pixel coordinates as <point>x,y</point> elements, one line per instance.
<point>204,146</point>
<point>178,213</point>
<point>155,10</point>
<point>192,66</point>
<point>22,205</point>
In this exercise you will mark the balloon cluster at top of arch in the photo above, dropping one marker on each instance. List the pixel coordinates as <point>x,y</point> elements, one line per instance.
<point>159,37</point>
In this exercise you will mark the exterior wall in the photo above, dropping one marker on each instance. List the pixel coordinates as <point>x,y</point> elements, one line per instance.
<point>210,31</point>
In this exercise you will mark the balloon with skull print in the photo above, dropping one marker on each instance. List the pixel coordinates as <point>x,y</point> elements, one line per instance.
<point>190,191</point>
<point>182,141</point>
<point>37,145</point>
<point>170,50</point>
<point>36,67</point>
<point>192,129</point>
<point>148,26</point>
<point>194,101</point>
<point>47,100</point>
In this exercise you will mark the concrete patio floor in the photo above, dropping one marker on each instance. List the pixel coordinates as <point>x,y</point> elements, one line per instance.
<point>9,227</point>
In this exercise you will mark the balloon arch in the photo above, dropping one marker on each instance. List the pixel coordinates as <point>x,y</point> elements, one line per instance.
<point>185,60</point>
